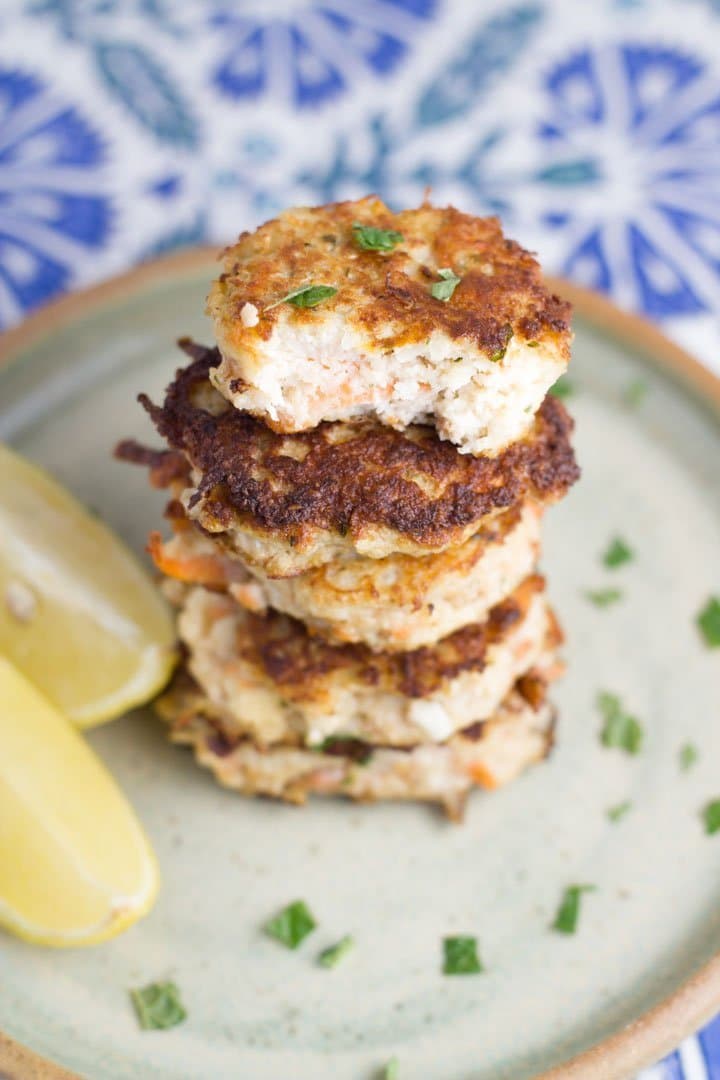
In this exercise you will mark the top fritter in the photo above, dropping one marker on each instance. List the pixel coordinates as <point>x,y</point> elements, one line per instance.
<point>425,316</point>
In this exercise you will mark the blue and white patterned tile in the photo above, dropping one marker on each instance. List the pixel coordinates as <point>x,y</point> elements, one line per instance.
<point>131,127</point>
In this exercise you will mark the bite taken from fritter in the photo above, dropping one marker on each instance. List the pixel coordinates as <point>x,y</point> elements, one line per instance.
<point>287,503</point>
<point>427,316</point>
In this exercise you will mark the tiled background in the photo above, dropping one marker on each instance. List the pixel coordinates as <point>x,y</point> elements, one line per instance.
<point>132,127</point>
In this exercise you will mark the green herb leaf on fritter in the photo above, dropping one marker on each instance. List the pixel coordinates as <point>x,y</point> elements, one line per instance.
<point>443,289</point>
<point>309,296</point>
<point>370,238</point>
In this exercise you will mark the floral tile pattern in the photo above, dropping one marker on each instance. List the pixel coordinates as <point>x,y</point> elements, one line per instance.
<point>132,127</point>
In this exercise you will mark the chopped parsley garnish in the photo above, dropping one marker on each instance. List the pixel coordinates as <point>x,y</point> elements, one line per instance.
<point>308,296</point>
<point>603,597</point>
<point>711,817</point>
<point>620,729</point>
<point>461,956</point>
<point>709,623</point>
<point>331,957</point>
<point>562,388</point>
<point>617,553</point>
<point>158,1006</point>
<point>616,813</point>
<point>443,289</point>
<point>371,239</point>
<point>568,913</point>
<point>687,756</point>
<point>499,354</point>
<point>392,1070</point>
<point>635,392</point>
<point>292,925</point>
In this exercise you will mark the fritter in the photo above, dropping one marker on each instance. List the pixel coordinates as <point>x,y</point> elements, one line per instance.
<point>391,604</point>
<point>487,754</point>
<point>448,324</point>
<point>275,682</point>
<point>286,503</point>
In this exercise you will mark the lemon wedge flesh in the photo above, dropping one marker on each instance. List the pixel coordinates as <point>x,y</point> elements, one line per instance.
<point>78,614</point>
<point>75,865</point>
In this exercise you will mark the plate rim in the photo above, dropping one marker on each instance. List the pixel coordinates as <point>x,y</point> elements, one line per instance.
<point>660,1029</point>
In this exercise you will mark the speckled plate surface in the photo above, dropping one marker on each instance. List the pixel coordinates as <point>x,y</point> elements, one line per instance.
<point>400,877</point>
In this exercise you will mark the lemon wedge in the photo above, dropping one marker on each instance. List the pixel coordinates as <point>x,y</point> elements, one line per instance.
<point>75,865</point>
<point>78,614</point>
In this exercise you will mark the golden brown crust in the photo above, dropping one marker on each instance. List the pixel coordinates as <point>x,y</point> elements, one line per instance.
<point>346,477</point>
<point>386,296</point>
<point>485,755</point>
<point>184,700</point>
<point>299,663</point>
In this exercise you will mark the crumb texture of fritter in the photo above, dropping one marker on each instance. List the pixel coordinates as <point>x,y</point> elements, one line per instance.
<point>395,604</point>
<point>287,503</point>
<point>486,755</point>
<point>275,682</point>
<point>476,364</point>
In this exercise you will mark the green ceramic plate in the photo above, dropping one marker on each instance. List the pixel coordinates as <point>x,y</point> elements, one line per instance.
<point>399,877</point>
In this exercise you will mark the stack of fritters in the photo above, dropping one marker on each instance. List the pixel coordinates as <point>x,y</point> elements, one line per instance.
<point>358,477</point>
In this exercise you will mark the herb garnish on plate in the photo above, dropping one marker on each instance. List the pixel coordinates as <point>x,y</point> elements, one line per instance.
<point>461,956</point>
<point>568,914</point>
<point>291,925</point>
<point>620,729</point>
<point>158,1006</point>
<point>618,552</point>
<point>331,957</point>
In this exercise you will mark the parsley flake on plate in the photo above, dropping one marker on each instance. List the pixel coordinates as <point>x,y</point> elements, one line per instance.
<point>563,388</point>
<point>687,756</point>
<point>291,925</point>
<point>443,289</point>
<point>158,1006</point>
<point>568,913</point>
<point>370,238</point>
<point>634,393</point>
<point>392,1070</point>
<point>461,956</point>
<point>617,813</point>
<point>711,817</point>
<point>620,729</point>
<point>709,623</point>
<point>603,598</point>
<point>331,957</point>
<point>617,553</point>
<point>309,296</point>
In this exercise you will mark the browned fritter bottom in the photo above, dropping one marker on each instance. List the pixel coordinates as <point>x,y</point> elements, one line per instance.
<point>488,754</point>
